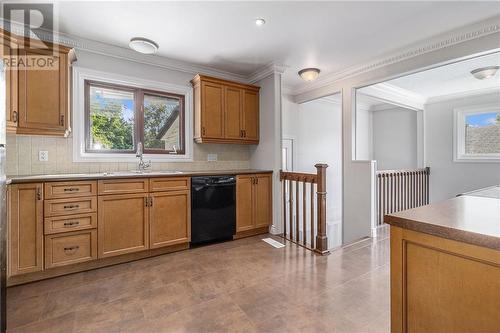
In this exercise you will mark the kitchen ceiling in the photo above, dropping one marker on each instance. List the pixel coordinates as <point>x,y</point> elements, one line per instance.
<point>223,35</point>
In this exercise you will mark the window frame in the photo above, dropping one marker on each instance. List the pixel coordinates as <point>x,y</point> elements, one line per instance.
<point>82,77</point>
<point>139,94</point>
<point>459,115</point>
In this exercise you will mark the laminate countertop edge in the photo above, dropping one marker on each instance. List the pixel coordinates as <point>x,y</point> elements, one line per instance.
<point>126,174</point>
<point>467,219</point>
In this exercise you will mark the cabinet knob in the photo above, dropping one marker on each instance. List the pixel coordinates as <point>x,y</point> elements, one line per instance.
<point>71,248</point>
<point>14,116</point>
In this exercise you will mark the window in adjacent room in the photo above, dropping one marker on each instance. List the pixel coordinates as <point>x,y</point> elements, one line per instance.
<point>477,133</point>
<point>118,117</point>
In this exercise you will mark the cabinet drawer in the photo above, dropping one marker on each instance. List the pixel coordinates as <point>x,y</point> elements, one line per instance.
<point>54,225</point>
<point>70,248</point>
<point>58,207</point>
<point>123,186</point>
<point>58,190</point>
<point>169,184</point>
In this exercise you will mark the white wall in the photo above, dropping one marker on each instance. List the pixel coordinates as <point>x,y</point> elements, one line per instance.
<point>320,141</point>
<point>450,178</point>
<point>267,154</point>
<point>364,134</point>
<point>316,128</point>
<point>395,138</point>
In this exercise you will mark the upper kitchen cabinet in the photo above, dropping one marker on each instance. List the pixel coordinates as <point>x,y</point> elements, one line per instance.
<point>37,79</point>
<point>225,111</point>
<point>8,80</point>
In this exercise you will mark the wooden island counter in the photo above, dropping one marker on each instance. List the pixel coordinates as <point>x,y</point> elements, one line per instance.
<point>445,265</point>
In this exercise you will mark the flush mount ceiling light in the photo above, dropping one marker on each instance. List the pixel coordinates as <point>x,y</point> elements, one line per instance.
<point>309,74</point>
<point>485,72</point>
<point>143,45</point>
<point>260,21</point>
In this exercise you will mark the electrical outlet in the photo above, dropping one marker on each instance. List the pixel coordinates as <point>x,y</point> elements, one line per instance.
<point>212,157</point>
<point>43,156</point>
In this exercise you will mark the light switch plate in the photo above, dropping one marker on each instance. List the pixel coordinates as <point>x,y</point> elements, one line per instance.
<point>212,157</point>
<point>43,155</point>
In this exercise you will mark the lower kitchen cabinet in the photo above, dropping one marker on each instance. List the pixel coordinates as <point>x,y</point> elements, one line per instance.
<point>25,228</point>
<point>253,202</point>
<point>70,248</point>
<point>244,203</point>
<point>123,224</point>
<point>263,200</point>
<point>170,218</point>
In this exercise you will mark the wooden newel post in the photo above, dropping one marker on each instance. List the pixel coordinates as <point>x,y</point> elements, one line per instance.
<point>321,238</point>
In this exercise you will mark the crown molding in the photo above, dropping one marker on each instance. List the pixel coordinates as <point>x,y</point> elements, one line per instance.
<point>271,68</point>
<point>392,94</point>
<point>441,41</point>
<point>464,94</point>
<point>118,52</point>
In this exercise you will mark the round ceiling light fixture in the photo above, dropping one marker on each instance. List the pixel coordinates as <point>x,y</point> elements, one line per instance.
<point>260,21</point>
<point>309,74</point>
<point>143,45</point>
<point>485,72</point>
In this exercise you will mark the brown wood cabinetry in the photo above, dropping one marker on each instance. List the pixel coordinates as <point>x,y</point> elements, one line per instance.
<point>225,111</point>
<point>123,224</point>
<point>25,228</point>
<point>170,218</point>
<point>170,211</point>
<point>36,87</point>
<point>58,227</point>
<point>70,248</point>
<point>253,202</point>
<point>9,52</point>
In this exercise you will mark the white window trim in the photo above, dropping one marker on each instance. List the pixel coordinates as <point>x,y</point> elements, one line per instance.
<point>80,155</point>
<point>459,115</point>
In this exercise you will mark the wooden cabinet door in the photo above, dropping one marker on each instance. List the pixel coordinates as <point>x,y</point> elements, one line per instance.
<point>233,113</point>
<point>244,203</point>
<point>43,94</point>
<point>263,200</point>
<point>170,218</point>
<point>123,224</point>
<point>212,114</point>
<point>25,225</point>
<point>11,86</point>
<point>251,115</point>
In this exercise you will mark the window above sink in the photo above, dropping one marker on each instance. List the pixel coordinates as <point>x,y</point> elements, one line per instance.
<point>112,113</point>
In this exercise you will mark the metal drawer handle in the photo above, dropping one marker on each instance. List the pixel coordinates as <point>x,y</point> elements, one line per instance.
<point>71,248</point>
<point>71,189</point>
<point>71,223</point>
<point>71,206</point>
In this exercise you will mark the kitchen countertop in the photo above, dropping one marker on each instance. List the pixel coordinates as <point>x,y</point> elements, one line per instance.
<point>472,218</point>
<point>125,174</point>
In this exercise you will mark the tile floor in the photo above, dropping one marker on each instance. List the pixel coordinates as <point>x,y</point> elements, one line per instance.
<point>240,286</point>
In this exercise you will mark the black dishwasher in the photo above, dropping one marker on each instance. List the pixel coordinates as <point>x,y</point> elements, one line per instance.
<point>213,208</point>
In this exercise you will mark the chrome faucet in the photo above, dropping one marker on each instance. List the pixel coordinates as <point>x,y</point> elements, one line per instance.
<point>142,165</point>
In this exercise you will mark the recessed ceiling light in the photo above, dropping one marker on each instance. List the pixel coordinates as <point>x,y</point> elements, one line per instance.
<point>309,74</point>
<point>260,21</point>
<point>143,45</point>
<point>485,72</point>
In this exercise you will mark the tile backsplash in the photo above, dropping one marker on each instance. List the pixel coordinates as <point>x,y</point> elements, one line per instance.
<point>22,158</point>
